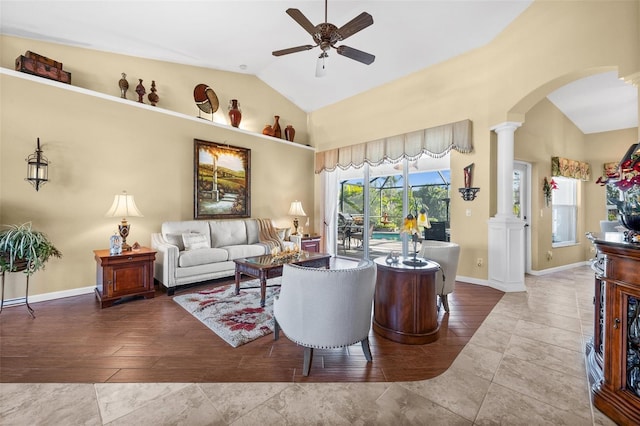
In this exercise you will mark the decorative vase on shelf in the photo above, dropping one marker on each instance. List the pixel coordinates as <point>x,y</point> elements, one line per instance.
<point>235,114</point>
<point>153,96</point>
<point>140,90</point>
<point>268,130</point>
<point>289,133</point>
<point>124,86</point>
<point>277,131</point>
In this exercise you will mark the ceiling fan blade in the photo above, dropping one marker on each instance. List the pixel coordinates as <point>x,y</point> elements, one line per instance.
<point>292,50</point>
<point>358,55</point>
<point>302,20</point>
<point>358,23</point>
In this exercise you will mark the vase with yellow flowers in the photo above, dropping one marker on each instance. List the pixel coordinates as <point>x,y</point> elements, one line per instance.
<point>411,227</point>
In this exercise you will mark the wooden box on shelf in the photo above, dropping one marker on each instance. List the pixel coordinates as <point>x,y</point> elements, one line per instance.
<point>124,275</point>
<point>47,61</point>
<point>49,69</point>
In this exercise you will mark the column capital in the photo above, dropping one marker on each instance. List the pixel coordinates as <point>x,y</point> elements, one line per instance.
<point>507,125</point>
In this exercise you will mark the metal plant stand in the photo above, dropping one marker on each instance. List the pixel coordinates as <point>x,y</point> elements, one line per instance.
<point>26,297</point>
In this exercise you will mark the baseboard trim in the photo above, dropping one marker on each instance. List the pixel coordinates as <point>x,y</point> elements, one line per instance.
<point>50,296</point>
<point>472,280</point>
<point>558,269</point>
<point>486,283</point>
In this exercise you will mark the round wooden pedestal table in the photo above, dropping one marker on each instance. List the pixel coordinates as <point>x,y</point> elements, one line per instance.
<point>405,308</point>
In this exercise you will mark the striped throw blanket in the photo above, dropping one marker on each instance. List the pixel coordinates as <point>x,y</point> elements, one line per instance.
<point>268,236</point>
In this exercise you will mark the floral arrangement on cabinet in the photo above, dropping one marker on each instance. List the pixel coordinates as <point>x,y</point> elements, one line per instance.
<point>626,178</point>
<point>630,170</point>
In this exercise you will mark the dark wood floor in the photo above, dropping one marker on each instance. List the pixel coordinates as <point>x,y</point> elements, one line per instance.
<point>72,340</point>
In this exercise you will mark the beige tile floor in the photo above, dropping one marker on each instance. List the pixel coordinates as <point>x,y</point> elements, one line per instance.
<point>524,366</point>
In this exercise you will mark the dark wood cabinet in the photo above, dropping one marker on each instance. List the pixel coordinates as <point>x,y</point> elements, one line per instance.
<point>124,275</point>
<point>405,306</point>
<point>613,356</point>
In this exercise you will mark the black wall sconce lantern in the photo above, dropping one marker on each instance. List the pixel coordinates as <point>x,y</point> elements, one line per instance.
<point>37,168</point>
<point>468,193</point>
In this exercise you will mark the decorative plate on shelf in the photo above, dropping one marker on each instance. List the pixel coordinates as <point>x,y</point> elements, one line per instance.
<point>206,99</point>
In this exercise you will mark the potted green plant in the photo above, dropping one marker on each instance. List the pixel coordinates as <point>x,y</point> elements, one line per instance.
<point>24,249</point>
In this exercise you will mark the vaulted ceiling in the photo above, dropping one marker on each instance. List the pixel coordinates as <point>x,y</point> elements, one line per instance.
<point>240,35</point>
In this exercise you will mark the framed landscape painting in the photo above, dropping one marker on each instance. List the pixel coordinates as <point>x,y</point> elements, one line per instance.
<point>222,184</point>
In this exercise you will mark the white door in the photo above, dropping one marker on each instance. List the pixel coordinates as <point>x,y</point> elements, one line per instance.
<point>522,205</point>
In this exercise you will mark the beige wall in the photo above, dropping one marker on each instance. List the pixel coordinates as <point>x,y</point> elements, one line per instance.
<point>547,133</point>
<point>603,148</point>
<point>101,71</point>
<point>548,45</point>
<point>98,147</point>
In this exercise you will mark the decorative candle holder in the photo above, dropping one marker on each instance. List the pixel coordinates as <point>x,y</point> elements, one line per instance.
<point>468,194</point>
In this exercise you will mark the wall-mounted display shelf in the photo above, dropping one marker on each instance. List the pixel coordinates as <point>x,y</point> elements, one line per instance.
<point>132,104</point>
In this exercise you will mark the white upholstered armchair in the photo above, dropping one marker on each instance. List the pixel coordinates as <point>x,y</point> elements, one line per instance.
<point>447,255</point>
<point>325,308</point>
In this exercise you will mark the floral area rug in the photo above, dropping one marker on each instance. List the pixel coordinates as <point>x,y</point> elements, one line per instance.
<point>236,319</point>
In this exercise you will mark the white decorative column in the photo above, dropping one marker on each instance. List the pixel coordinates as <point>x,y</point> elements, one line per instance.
<point>506,231</point>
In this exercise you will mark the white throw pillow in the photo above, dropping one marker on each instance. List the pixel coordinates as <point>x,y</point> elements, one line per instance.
<point>194,241</point>
<point>284,233</point>
<point>176,240</point>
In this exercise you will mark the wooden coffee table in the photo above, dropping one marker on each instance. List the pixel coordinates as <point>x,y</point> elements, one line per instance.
<point>263,268</point>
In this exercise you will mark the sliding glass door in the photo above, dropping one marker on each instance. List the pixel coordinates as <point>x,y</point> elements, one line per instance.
<point>373,202</point>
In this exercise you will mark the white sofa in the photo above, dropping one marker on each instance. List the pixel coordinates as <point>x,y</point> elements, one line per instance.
<point>199,250</point>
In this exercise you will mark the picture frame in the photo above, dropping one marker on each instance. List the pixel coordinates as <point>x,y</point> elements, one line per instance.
<point>222,181</point>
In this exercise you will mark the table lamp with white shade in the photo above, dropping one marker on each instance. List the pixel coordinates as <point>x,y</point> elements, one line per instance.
<point>296,210</point>
<point>124,206</point>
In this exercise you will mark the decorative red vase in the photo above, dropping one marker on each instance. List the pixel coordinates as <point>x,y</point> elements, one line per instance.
<point>235,115</point>
<point>289,133</point>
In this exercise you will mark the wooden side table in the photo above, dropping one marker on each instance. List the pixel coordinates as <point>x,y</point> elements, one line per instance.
<point>124,275</point>
<point>308,243</point>
<point>405,303</point>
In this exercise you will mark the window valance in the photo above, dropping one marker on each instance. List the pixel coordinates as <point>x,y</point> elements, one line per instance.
<point>570,168</point>
<point>434,142</point>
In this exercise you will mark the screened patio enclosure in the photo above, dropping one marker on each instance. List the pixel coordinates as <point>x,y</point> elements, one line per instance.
<point>379,220</point>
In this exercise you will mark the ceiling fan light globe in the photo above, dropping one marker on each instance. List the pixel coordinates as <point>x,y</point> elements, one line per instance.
<point>321,65</point>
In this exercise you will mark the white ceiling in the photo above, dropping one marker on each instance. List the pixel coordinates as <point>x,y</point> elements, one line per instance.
<point>240,35</point>
<point>598,103</point>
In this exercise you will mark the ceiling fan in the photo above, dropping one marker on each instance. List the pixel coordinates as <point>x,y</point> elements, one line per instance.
<point>326,36</point>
